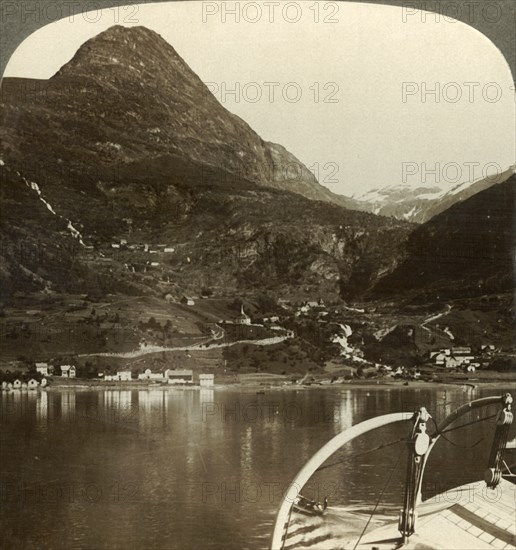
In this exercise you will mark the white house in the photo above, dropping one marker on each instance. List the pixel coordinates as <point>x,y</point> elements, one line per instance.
<point>149,375</point>
<point>17,384</point>
<point>452,362</point>
<point>42,368</point>
<point>180,376</point>
<point>68,371</point>
<point>124,375</point>
<point>188,300</point>
<point>169,249</point>
<point>440,358</point>
<point>206,380</point>
<point>32,384</point>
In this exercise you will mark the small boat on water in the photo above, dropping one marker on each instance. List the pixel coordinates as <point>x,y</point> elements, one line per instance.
<point>475,516</point>
<point>308,507</point>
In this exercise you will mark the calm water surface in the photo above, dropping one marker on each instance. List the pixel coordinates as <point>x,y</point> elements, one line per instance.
<point>202,469</point>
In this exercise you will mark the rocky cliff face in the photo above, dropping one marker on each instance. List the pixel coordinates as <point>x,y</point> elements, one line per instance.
<point>126,143</point>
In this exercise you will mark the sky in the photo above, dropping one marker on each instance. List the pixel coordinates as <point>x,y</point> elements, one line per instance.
<point>366,96</point>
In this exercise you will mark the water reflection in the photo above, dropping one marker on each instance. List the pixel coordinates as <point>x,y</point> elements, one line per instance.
<point>152,409</point>
<point>68,406</point>
<point>42,408</point>
<point>177,469</point>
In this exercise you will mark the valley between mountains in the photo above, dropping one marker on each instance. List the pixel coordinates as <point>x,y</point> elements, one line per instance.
<point>144,225</point>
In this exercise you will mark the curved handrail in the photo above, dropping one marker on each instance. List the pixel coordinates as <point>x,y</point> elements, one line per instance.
<point>319,458</point>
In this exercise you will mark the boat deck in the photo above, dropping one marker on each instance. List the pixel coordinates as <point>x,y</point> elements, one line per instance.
<point>468,517</point>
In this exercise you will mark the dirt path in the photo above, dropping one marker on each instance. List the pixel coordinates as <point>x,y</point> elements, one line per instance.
<point>148,350</point>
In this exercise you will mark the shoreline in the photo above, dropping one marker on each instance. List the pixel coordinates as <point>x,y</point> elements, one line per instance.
<point>276,385</point>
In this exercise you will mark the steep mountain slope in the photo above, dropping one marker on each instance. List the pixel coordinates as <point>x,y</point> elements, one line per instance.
<point>130,97</point>
<point>125,143</point>
<point>422,203</point>
<point>466,250</point>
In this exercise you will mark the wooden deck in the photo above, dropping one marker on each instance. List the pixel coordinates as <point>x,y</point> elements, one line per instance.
<point>469,517</point>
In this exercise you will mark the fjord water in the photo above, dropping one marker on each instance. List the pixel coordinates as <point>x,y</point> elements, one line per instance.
<point>205,469</point>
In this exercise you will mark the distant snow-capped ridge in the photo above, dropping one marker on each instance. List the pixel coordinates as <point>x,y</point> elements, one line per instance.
<point>419,204</point>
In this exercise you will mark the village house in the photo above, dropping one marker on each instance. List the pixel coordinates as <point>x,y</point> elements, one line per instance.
<point>115,245</point>
<point>154,264</point>
<point>463,355</point>
<point>180,376</point>
<point>487,347</point>
<point>451,363</point>
<point>439,358</point>
<point>206,380</point>
<point>169,249</point>
<point>68,371</point>
<point>273,319</point>
<point>188,300</point>
<point>149,375</point>
<point>17,384</point>
<point>124,375</point>
<point>42,368</point>
<point>32,384</point>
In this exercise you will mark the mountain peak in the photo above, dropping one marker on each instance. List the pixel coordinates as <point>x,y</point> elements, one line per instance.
<point>132,48</point>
